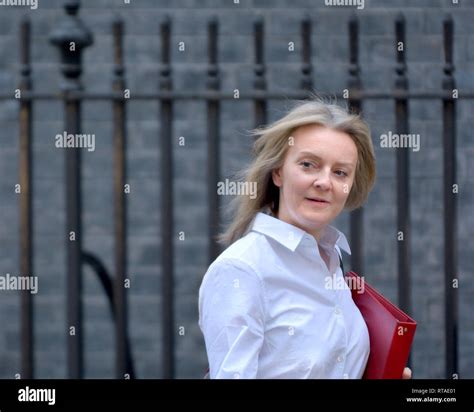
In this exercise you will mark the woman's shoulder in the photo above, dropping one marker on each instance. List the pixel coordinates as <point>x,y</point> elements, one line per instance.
<point>252,248</point>
<point>245,254</point>
<point>237,263</point>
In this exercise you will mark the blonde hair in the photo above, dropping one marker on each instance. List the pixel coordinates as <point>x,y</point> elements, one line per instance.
<point>270,150</point>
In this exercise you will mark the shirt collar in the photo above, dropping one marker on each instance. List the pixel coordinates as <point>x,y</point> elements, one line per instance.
<point>291,236</point>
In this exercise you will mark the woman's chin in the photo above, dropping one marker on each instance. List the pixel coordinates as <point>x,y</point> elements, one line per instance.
<point>314,221</point>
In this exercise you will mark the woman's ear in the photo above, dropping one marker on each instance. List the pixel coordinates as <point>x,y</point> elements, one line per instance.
<point>276,177</point>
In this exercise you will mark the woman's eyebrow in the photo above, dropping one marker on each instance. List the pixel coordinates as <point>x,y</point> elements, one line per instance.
<point>309,154</point>
<point>315,156</point>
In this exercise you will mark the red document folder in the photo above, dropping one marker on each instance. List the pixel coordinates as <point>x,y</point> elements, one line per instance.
<point>391,331</point>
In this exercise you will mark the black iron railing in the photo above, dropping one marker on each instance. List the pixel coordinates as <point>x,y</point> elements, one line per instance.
<point>71,37</point>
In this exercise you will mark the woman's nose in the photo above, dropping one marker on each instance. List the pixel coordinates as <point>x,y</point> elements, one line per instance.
<point>322,180</point>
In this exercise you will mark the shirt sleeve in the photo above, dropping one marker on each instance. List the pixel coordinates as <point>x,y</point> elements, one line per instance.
<point>231,317</point>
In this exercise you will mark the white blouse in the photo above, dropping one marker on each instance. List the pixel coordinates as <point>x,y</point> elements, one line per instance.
<point>270,308</point>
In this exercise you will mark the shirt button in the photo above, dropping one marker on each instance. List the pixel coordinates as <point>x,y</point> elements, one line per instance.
<point>340,359</point>
<point>337,311</point>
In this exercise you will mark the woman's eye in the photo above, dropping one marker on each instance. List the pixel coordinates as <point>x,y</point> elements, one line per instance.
<point>341,173</point>
<point>306,165</point>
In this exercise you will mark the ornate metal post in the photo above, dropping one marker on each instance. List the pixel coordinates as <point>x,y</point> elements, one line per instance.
<point>71,36</point>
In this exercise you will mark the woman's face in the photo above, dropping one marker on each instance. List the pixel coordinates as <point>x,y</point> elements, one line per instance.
<point>316,177</point>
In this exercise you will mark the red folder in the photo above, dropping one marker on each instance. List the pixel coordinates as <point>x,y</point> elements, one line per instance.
<point>391,331</point>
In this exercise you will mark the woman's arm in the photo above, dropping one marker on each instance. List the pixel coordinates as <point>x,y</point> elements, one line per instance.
<point>231,317</point>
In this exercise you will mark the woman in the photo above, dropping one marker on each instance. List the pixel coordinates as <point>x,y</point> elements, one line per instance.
<point>265,307</point>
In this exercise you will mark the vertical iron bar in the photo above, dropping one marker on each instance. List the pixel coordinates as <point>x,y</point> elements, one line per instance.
<point>450,206</point>
<point>74,241</point>
<point>355,84</point>
<point>71,36</point>
<point>403,173</point>
<point>306,69</point>
<point>167,238</point>
<point>260,105</point>
<point>26,194</point>
<point>213,155</point>
<point>120,300</point>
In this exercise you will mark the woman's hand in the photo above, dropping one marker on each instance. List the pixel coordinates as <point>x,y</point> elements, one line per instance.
<point>406,373</point>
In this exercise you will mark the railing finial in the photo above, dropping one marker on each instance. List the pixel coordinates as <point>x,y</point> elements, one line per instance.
<point>448,40</point>
<point>71,36</point>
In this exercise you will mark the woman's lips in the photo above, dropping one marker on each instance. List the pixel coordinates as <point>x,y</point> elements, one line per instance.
<point>317,201</point>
